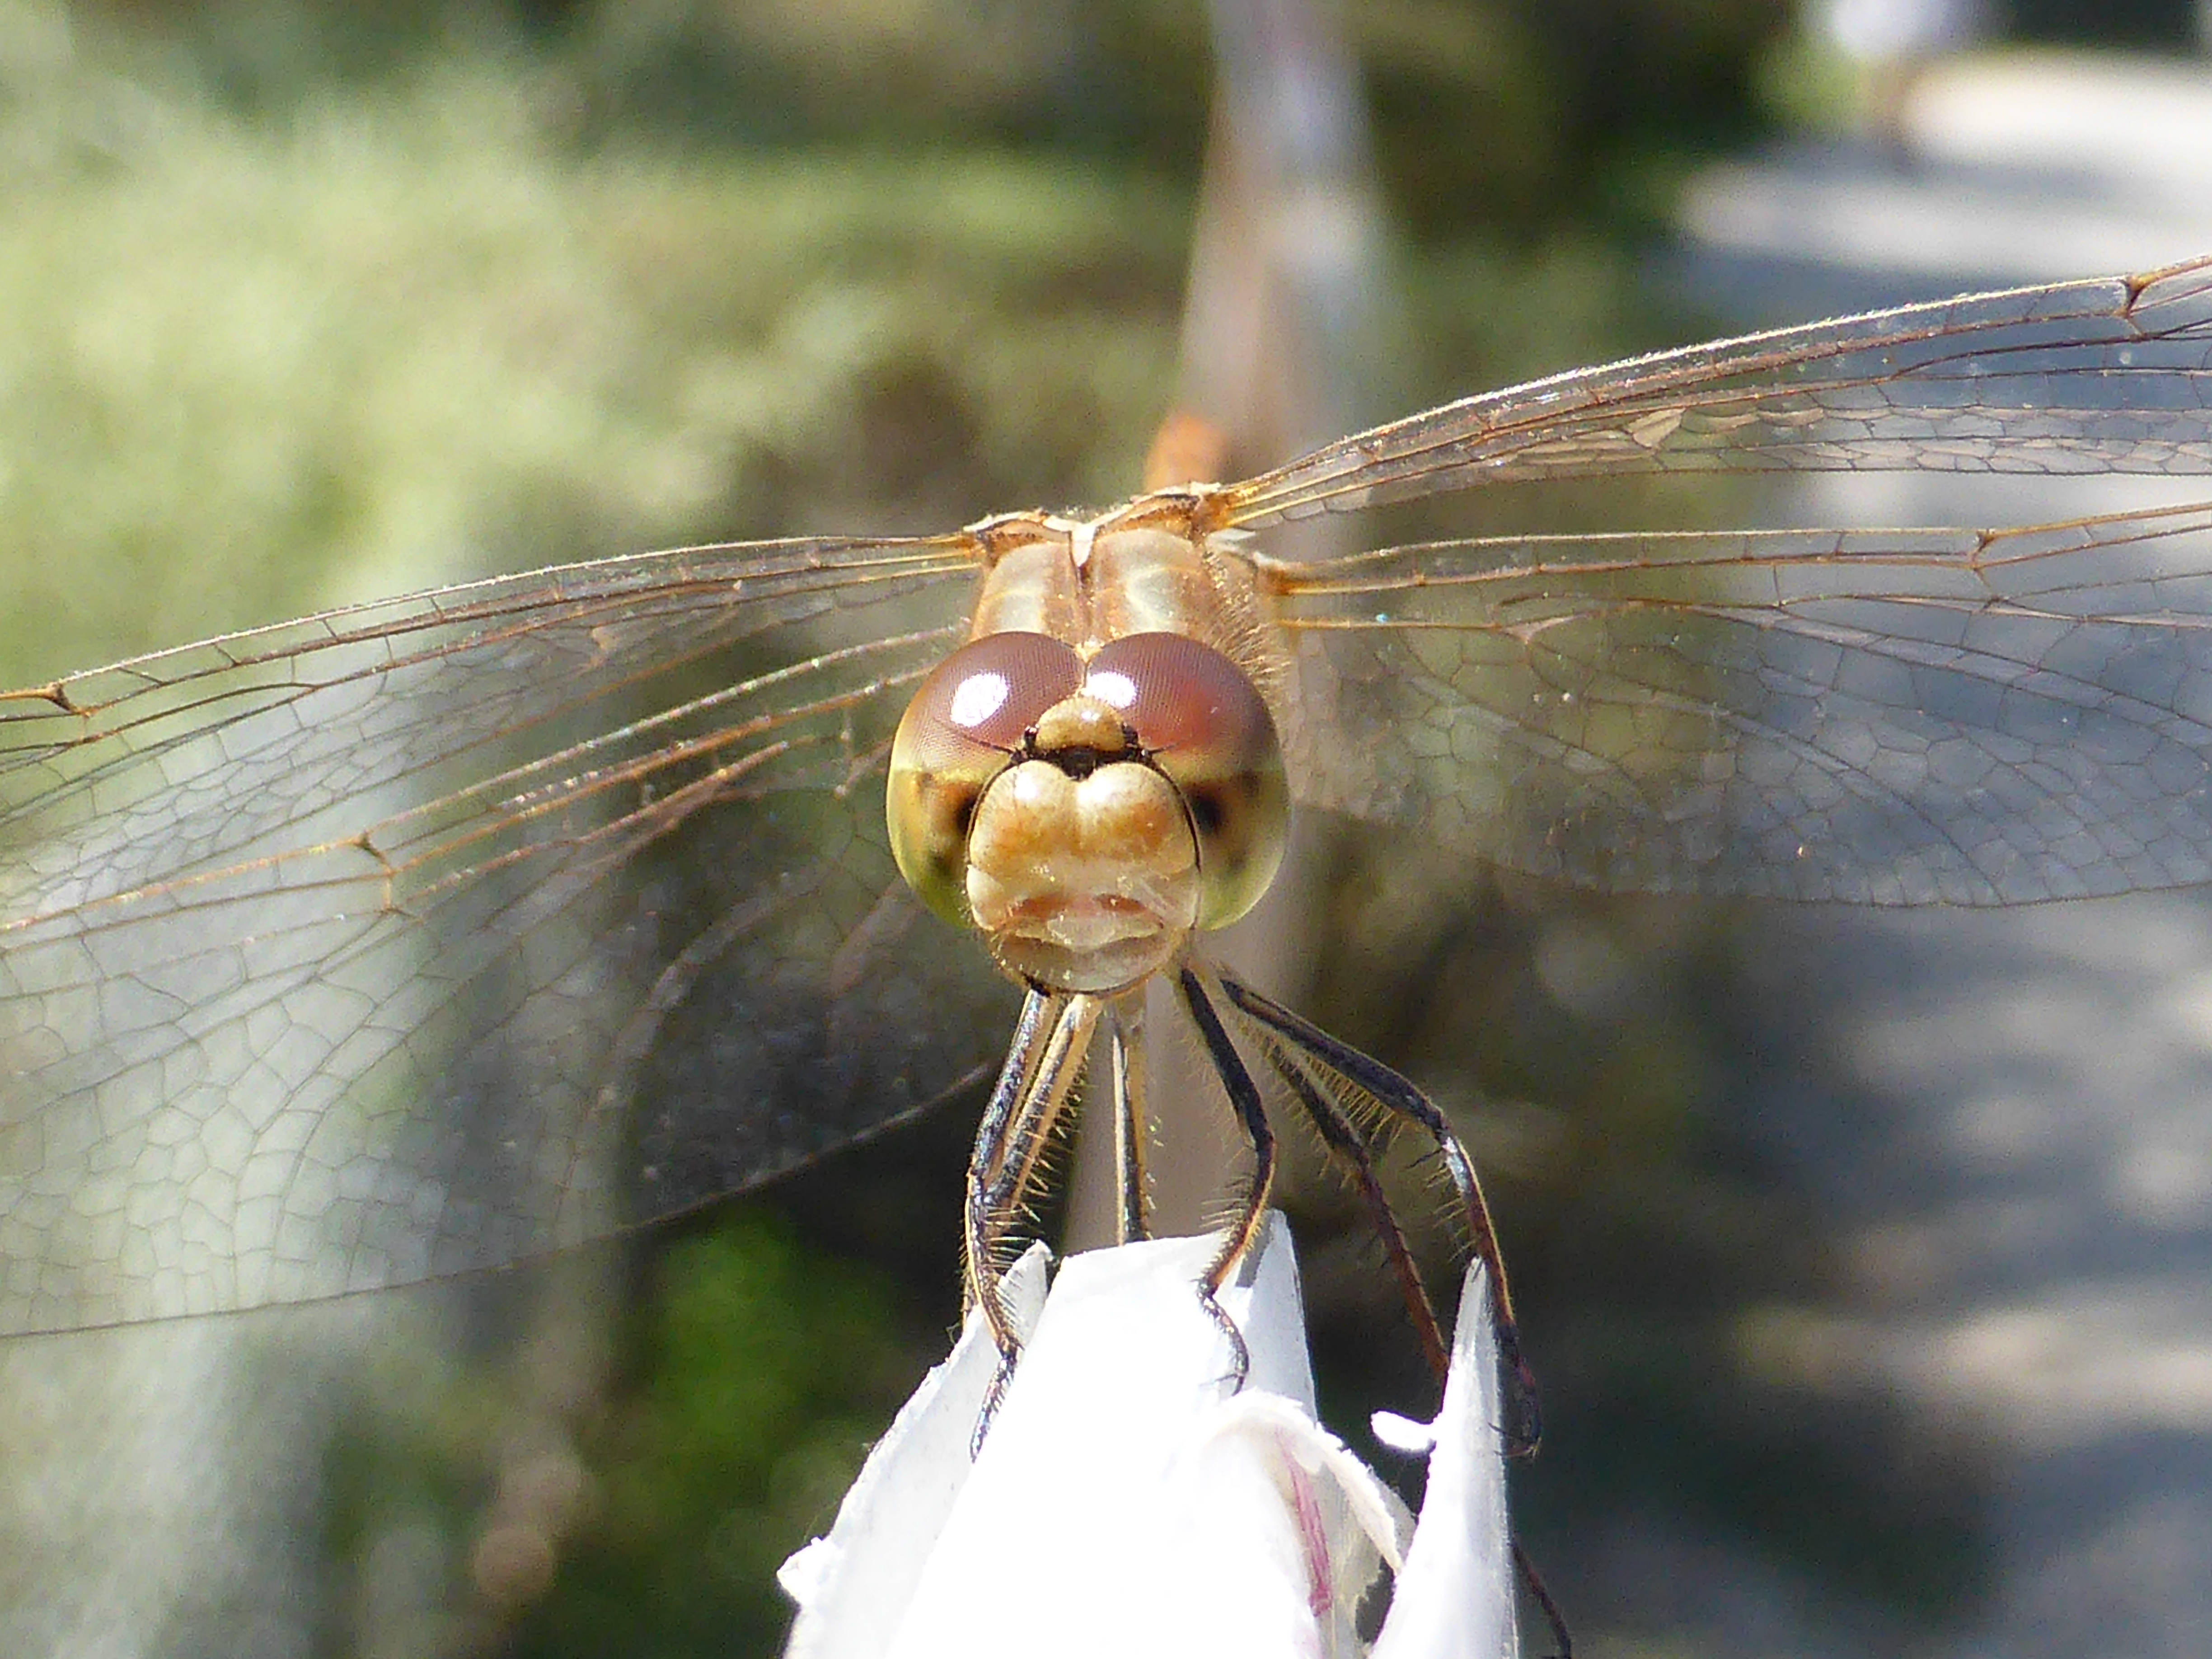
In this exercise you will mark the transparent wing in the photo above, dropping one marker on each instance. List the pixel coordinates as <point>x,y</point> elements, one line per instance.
<point>423,937</point>
<point>1886,717</point>
<point>2112,375</point>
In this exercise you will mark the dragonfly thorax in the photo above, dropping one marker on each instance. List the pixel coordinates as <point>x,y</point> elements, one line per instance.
<point>1086,815</point>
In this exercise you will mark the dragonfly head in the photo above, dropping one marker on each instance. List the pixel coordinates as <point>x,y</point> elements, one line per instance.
<point>1087,814</point>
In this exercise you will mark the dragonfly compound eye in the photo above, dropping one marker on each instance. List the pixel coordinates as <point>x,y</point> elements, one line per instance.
<point>966,724</point>
<point>1199,719</point>
<point>1085,818</point>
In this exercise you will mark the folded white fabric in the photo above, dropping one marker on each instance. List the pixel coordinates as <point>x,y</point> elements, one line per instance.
<point>1128,1500</point>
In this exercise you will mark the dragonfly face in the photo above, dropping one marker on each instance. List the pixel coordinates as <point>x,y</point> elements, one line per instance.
<point>1088,796</point>
<point>350,952</point>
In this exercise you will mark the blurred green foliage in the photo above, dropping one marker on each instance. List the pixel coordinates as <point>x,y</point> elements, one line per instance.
<point>407,331</point>
<point>302,304</point>
<point>305,302</point>
<point>765,1374</point>
<point>642,1512</point>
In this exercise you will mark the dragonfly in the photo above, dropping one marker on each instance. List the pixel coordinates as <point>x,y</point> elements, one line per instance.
<point>427,937</point>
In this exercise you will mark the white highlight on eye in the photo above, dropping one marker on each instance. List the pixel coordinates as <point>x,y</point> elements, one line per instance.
<point>978,698</point>
<point>1117,690</point>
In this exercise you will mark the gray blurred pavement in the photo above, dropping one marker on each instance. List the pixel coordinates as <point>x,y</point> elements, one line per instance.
<point>2007,1117</point>
<point>2001,170</point>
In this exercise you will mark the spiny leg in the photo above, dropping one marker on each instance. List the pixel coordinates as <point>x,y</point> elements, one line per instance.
<point>1059,1066</point>
<point>1345,1140</point>
<point>1397,1094</point>
<point>1523,1427</point>
<point>1349,1145</point>
<point>1252,1115</point>
<point>1128,1050</point>
<point>1039,1012</point>
<point>1042,1063</point>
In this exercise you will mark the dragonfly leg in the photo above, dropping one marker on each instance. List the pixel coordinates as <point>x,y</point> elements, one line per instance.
<point>1347,1141</point>
<point>1042,1065</point>
<point>991,1132</point>
<point>1252,1116</point>
<point>1533,1582</point>
<point>1394,1093</point>
<point>1023,1151</point>
<point>1130,1122</point>
<point>1349,1145</point>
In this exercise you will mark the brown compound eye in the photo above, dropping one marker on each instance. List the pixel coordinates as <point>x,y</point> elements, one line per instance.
<point>964,723</point>
<point>1203,723</point>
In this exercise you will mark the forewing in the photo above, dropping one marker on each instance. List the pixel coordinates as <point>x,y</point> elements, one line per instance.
<point>343,953</point>
<point>1886,717</point>
<point>2112,375</point>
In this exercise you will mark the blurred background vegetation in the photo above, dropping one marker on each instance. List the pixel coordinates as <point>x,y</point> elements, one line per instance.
<point>307,302</point>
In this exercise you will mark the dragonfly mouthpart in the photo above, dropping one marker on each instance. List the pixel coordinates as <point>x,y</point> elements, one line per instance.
<point>1083,883</point>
